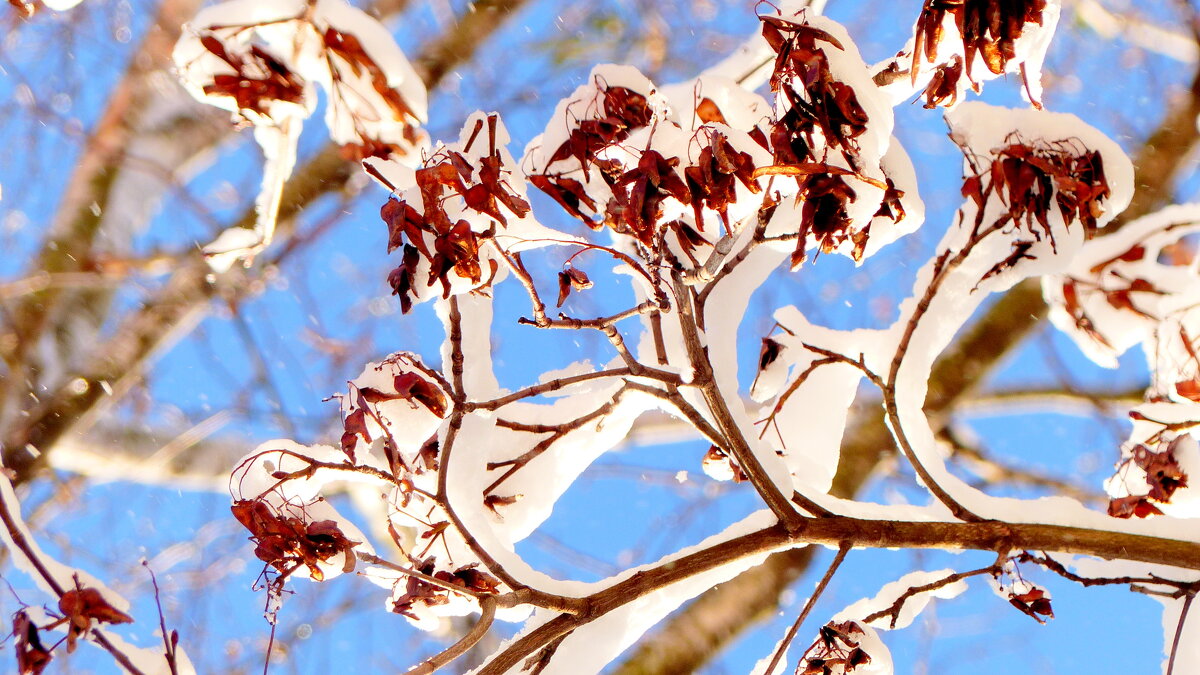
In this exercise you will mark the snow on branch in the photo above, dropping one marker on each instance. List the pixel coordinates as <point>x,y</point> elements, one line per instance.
<point>262,61</point>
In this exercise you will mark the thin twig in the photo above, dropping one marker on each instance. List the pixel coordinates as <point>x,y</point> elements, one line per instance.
<point>559,383</point>
<point>1058,568</point>
<point>843,549</point>
<point>373,559</point>
<point>170,638</point>
<point>536,597</point>
<point>898,605</point>
<point>1183,613</point>
<point>487,606</point>
<point>557,433</point>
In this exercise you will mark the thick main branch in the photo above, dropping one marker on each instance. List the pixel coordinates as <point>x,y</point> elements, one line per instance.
<point>833,531</point>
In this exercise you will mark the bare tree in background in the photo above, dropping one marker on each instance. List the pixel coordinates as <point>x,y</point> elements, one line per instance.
<point>701,186</point>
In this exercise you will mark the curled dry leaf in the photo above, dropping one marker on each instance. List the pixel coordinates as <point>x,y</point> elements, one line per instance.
<point>493,501</point>
<point>624,111</point>
<point>1128,507</point>
<point>1033,603</point>
<point>708,111</point>
<point>720,466</point>
<point>1163,473</point>
<point>80,606</point>
<point>768,352</point>
<point>825,215</point>
<point>943,87</point>
<point>571,278</point>
<point>32,656</point>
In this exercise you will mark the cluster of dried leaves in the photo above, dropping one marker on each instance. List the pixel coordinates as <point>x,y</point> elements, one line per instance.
<point>622,111</point>
<point>345,52</point>
<point>258,79</point>
<point>447,244</point>
<point>1163,477</point>
<point>286,542</point>
<point>418,591</point>
<point>266,72</point>
<point>989,30</point>
<point>408,384</point>
<point>816,100</point>
<point>1028,180</point>
<point>836,651</point>
<point>822,113</point>
<point>637,192</point>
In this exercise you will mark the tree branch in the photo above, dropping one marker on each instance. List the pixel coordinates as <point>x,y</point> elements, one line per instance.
<point>841,530</point>
<point>696,634</point>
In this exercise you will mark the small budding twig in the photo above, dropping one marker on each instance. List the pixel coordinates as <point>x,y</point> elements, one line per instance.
<point>898,605</point>
<point>557,433</point>
<point>1137,584</point>
<point>170,638</point>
